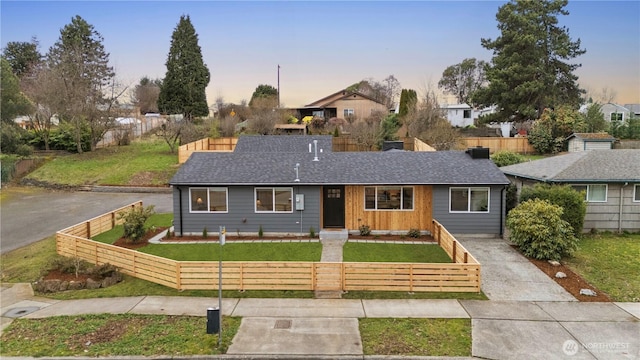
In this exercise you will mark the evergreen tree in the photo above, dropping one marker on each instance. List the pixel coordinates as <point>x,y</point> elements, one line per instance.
<point>82,64</point>
<point>14,102</point>
<point>408,102</point>
<point>267,93</point>
<point>187,77</point>
<point>529,70</point>
<point>22,56</point>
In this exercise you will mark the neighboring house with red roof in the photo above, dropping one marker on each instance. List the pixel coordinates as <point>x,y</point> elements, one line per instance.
<point>610,180</point>
<point>343,104</point>
<point>590,141</point>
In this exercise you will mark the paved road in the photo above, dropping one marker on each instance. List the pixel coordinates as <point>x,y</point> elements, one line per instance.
<point>31,214</point>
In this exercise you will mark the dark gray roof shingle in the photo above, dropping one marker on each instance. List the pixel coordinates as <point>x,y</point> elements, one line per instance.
<point>282,143</point>
<point>620,165</point>
<point>244,168</point>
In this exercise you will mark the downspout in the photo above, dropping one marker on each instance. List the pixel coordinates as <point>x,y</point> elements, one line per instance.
<point>180,207</point>
<point>502,215</point>
<point>621,203</point>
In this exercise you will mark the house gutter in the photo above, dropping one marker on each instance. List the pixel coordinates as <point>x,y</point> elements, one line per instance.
<point>621,203</point>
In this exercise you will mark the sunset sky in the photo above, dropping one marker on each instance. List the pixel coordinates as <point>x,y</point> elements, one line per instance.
<point>323,46</point>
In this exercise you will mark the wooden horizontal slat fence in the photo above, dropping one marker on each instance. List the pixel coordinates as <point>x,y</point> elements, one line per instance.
<point>226,144</point>
<point>463,275</point>
<point>519,145</point>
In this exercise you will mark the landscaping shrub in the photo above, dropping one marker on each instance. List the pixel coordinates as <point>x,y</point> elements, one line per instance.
<point>365,230</point>
<point>568,198</point>
<point>538,229</point>
<point>413,233</point>
<point>505,158</point>
<point>312,232</point>
<point>134,221</point>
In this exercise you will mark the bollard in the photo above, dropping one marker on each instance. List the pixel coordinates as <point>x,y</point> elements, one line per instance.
<point>213,320</point>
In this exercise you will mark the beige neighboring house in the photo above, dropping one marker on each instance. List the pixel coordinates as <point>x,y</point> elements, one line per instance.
<point>343,104</point>
<point>590,141</point>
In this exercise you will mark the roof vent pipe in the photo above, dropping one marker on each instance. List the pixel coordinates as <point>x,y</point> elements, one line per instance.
<point>315,144</point>
<point>297,177</point>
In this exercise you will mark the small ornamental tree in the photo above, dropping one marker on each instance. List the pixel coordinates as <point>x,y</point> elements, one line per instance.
<point>538,230</point>
<point>506,157</point>
<point>569,199</point>
<point>134,221</point>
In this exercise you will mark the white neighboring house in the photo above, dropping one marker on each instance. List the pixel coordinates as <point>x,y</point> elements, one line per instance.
<point>460,115</point>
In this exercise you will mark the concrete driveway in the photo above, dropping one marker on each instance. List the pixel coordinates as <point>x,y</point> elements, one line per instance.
<point>509,276</point>
<point>30,214</point>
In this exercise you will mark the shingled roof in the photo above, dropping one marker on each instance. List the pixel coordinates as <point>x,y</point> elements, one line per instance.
<point>336,168</point>
<point>621,165</point>
<point>282,143</point>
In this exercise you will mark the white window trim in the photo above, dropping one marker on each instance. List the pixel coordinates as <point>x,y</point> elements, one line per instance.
<point>208,189</point>
<point>348,112</point>
<point>469,188</point>
<point>273,197</point>
<point>588,186</point>
<point>413,198</point>
<point>636,192</point>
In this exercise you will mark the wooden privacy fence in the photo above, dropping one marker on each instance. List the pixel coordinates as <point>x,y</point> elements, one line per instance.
<point>520,144</point>
<point>226,144</point>
<point>463,275</point>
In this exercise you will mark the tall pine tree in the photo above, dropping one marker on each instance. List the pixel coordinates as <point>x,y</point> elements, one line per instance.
<point>82,65</point>
<point>183,88</point>
<point>530,69</point>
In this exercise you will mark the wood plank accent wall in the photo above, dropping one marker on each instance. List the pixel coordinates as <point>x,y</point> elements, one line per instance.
<point>227,144</point>
<point>462,275</point>
<point>418,218</point>
<point>520,144</point>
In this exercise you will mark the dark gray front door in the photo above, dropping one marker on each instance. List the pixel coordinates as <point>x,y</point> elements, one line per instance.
<point>333,206</point>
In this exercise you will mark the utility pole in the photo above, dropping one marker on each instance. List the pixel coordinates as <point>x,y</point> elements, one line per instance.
<point>278,86</point>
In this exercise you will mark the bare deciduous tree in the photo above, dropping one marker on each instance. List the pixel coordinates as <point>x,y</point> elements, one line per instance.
<point>170,131</point>
<point>427,122</point>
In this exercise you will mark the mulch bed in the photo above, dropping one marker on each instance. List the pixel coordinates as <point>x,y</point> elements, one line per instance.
<point>573,283</point>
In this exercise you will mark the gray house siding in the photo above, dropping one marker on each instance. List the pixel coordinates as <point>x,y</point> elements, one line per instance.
<point>605,216</point>
<point>469,223</point>
<point>241,216</point>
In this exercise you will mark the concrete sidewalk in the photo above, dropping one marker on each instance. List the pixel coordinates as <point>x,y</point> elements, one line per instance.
<point>328,328</point>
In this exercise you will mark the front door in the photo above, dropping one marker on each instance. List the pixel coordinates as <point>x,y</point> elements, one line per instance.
<point>333,206</point>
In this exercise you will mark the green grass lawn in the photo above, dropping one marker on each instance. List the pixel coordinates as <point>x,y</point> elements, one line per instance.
<point>145,162</point>
<point>115,335</point>
<point>237,251</point>
<point>386,252</point>
<point>416,337</point>
<point>610,263</point>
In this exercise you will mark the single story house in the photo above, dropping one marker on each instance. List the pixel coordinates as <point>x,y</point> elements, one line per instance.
<point>610,180</point>
<point>590,141</point>
<point>290,184</point>
<point>343,104</point>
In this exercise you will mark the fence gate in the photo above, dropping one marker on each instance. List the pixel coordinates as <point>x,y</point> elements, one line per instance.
<point>327,276</point>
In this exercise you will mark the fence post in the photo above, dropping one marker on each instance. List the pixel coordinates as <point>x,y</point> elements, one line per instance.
<point>178,275</point>
<point>465,257</point>
<point>88,223</point>
<point>454,245</point>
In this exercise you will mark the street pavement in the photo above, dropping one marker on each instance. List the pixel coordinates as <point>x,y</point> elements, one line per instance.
<point>29,214</point>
